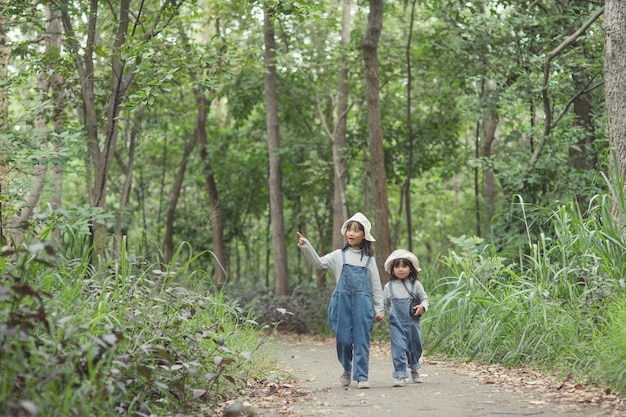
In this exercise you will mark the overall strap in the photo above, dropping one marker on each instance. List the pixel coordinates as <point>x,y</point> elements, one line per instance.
<point>343,257</point>
<point>391,289</point>
<point>369,260</point>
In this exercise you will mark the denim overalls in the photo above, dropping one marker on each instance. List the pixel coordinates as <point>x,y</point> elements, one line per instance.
<point>406,335</point>
<point>351,317</point>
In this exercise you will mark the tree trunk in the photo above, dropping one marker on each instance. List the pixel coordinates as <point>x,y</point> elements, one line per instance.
<point>168,240</point>
<point>219,273</point>
<point>85,69</point>
<point>59,115</point>
<point>281,275</point>
<point>100,156</point>
<point>105,156</point>
<point>582,156</point>
<point>547,105</point>
<point>5,57</point>
<point>340,168</point>
<point>615,80</point>
<point>120,229</point>
<point>375,128</point>
<point>490,125</point>
<point>56,200</point>
<point>409,130</point>
<point>45,83</point>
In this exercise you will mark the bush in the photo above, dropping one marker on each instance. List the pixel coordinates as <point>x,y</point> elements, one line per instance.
<point>122,339</point>
<point>304,311</point>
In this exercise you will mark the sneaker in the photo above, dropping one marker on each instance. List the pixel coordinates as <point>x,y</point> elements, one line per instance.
<point>345,378</point>
<point>362,385</point>
<point>398,382</point>
<point>415,376</point>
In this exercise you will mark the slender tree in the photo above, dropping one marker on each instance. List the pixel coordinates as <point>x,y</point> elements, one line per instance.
<point>5,57</point>
<point>273,148</point>
<point>615,80</point>
<point>200,129</point>
<point>375,129</point>
<point>340,168</point>
<point>59,116</point>
<point>101,144</point>
<point>490,120</point>
<point>550,117</point>
<point>128,169</point>
<point>409,129</point>
<point>49,85</point>
<point>219,274</point>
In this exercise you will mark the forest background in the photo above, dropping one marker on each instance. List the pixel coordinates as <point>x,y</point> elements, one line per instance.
<point>157,159</point>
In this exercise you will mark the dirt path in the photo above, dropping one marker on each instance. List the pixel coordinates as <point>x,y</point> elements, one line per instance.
<point>307,384</point>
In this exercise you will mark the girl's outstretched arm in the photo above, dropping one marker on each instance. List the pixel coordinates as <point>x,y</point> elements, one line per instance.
<point>301,239</point>
<point>330,261</point>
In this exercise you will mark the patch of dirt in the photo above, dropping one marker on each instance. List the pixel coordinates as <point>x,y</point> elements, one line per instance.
<point>283,394</point>
<point>278,396</point>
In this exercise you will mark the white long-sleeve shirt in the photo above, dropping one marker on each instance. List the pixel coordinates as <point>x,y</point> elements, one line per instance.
<point>334,262</point>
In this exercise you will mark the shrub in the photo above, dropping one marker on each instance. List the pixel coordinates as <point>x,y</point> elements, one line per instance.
<point>124,338</point>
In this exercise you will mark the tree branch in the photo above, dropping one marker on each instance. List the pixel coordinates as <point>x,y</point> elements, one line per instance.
<point>544,90</point>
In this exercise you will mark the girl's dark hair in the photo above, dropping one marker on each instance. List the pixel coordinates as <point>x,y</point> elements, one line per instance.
<point>366,245</point>
<point>404,262</point>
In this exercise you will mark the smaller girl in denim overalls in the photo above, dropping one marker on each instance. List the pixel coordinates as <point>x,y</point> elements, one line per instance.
<point>357,299</point>
<point>405,328</point>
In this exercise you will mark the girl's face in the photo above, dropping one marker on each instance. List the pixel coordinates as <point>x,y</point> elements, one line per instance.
<point>355,236</point>
<point>401,269</point>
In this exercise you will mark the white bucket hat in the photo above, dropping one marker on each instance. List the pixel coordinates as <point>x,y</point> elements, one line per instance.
<point>402,254</point>
<point>367,226</point>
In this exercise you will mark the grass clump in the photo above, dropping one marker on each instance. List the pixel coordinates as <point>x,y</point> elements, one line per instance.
<point>560,304</point>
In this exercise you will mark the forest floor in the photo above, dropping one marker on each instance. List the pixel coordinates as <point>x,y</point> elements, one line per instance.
<point>307,384</point>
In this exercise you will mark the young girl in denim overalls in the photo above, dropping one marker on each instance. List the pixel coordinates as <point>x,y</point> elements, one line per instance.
<point>357,299</point>
<point>405,328</point>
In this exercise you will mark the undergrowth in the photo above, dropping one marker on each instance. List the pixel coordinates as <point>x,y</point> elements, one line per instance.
<point>125,338</point>
<point>560,304</point>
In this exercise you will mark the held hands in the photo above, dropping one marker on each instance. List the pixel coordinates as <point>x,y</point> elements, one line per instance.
<point>379,318</point>
<point>301,239</point>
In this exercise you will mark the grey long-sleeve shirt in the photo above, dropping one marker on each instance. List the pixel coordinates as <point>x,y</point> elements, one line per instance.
<point>334,262</point>
<point>400,292</point>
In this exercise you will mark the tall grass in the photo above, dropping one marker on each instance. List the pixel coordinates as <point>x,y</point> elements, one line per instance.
<point>122,338</point>
<point>560,304</point>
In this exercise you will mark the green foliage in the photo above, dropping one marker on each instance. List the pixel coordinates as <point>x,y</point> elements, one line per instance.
<point>217,50</point>
<point>608,349</point>
<point>559,305</point>
<point>124,338</point>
